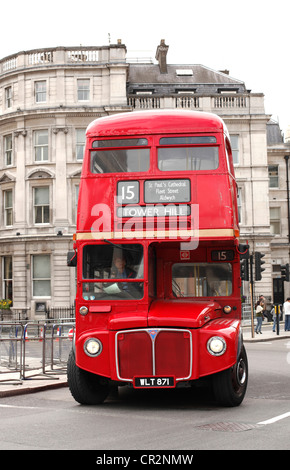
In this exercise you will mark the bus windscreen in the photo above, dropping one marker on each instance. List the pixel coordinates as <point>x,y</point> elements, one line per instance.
<point>117,272</point>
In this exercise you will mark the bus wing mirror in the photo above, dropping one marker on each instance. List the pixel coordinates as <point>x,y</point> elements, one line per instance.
<point>244,251</point>
<point>71,258</point>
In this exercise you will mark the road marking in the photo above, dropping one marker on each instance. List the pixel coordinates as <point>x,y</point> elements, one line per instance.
<point>21,407</point>
<point>276,418</point>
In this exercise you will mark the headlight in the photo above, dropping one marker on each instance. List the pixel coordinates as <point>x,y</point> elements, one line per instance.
<point>93,347</point>
<point>83,310</point>
<point>216,346</point>
<point>227,309</point>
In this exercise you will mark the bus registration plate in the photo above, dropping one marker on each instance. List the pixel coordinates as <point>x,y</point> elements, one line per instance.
<point>154,382</point>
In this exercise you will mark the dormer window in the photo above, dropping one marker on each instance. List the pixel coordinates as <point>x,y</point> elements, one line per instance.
<point>185,91</point>
<point>184,72</point>
<point>228,91</point>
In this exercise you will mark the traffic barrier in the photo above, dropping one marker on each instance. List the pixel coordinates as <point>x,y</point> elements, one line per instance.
<point>38,348</point>
<point>58,333</point>
<point>41,335</point>
<point>11,347</point>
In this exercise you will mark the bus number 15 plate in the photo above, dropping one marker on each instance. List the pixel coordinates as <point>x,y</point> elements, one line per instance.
<point>154,382</point>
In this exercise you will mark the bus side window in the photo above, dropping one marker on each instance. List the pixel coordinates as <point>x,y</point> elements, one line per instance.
<point>228,151</point>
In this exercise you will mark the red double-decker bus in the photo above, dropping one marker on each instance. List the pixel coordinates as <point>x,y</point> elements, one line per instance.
<point>158,258</point>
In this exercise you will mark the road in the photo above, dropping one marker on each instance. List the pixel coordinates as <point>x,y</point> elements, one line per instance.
<point>179,420</point>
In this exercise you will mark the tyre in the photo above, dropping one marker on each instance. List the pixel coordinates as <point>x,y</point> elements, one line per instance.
<point>85,387</point>
<point>230,385</point>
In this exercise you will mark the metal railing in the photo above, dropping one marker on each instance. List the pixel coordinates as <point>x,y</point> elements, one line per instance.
<point>34,349</point>
<point>61,313</point>
<point>57,314</point>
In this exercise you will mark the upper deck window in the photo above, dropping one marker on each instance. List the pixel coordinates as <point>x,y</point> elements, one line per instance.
<point>188,140</point>
<point>183,157</point>
<point>116,156</point>
<point>120,143</point>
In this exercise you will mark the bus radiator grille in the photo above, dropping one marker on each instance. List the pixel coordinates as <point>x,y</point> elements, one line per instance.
<point>159,352</point>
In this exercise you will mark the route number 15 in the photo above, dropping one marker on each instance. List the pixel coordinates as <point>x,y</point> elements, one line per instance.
<point>222,255</point>
<point>128,192</point>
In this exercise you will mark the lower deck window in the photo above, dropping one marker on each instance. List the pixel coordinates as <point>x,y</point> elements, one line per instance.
<point>201,279</point>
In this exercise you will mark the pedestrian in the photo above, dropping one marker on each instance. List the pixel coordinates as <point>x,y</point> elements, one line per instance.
<point>275,311</point>
<point>259,316</point>
<point>286,309</point>
<point>263,303</point>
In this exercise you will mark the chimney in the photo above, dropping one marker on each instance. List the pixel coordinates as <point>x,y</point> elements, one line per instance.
<point>161,53</point>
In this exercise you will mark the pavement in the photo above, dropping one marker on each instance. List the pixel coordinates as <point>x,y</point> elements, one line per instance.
<point>267,333</point>
<point>12,384</point>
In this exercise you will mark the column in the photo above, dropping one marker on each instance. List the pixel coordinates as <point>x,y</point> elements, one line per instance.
<point>60,203</point>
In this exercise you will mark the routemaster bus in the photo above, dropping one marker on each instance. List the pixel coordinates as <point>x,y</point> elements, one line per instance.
<point>157,251</point>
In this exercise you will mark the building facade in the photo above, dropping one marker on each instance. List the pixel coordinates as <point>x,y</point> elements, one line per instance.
<point>278,168</point>
<point>47,99</point>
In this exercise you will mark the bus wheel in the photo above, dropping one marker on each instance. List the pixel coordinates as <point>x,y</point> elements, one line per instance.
<point>230,385</point>
<point>85,387</point>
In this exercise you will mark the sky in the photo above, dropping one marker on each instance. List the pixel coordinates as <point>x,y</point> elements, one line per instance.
<point>250,38</point>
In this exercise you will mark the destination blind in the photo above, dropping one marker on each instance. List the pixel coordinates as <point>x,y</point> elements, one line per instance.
<point>158,210</point>
<point>155,191</point>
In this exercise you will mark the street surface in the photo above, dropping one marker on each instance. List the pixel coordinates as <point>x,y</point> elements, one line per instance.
<point>178,420</point>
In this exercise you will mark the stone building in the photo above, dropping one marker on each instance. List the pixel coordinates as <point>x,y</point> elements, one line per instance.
<point>278,164</point>
<point>47,99</point>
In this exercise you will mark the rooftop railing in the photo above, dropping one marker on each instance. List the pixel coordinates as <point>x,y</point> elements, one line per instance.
<point>241,103</point>
<point>63,55</point>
